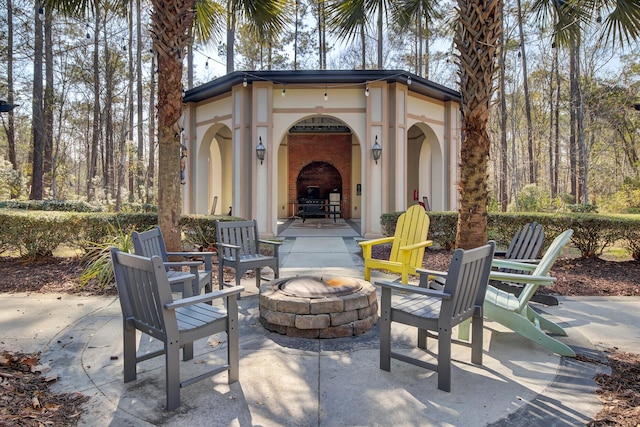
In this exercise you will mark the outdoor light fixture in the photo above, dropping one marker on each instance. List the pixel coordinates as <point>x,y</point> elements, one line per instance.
<point>326,95</point>
<point>284,91</point>
<point>244,82</point>
<point>376,150</point>
<point>260,150</point>
<point>366,90</point>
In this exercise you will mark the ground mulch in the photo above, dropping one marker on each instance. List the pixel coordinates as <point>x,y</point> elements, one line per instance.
<point>25,398</point>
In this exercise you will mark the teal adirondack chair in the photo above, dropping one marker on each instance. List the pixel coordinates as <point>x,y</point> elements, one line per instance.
<point>514,311</point>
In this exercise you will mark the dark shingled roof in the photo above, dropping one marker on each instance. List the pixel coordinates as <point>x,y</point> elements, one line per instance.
<point>319,79</point>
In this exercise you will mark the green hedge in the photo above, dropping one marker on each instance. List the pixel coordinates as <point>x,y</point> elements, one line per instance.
<point>38,233</point>
<point>592,233</point>
<point>33,234</point>
<point>50,205</point>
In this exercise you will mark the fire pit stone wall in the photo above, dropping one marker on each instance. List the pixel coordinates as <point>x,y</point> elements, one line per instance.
<point>323,317</point>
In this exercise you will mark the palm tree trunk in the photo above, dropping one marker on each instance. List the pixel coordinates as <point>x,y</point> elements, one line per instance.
<point>169,29</point>
<point>477,39</point>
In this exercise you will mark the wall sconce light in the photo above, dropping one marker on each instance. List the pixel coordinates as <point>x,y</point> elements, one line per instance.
<point>376,150</point>
<point>260,150</point>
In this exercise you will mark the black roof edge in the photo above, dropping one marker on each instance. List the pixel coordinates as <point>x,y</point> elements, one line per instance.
<point>321,78</point>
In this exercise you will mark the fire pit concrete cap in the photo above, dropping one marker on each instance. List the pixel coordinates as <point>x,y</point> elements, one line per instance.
<point>317,287</point>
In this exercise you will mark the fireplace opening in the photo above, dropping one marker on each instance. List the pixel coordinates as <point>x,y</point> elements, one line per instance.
<point>322,175</point>
<point>317,183</point>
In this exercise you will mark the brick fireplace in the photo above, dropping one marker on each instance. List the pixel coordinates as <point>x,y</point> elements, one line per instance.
<point>322,160</point>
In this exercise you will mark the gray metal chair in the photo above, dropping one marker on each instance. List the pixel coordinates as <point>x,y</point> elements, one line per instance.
<point>239,248</point>
<point>438,310</point>
<point>147,305</point>
<point>151,242</point>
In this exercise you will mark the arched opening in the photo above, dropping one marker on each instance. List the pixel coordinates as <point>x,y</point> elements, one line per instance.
<point>319,154</point>
<point>425,167</point>
<point>214,178</point>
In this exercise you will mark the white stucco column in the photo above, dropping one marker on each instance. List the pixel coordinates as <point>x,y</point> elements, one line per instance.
<point>452,140</point>
<point>262,188</point>
<point>398,143</point>
<point>190,140</point>
<point>242,152</point>
<point>376,182</point>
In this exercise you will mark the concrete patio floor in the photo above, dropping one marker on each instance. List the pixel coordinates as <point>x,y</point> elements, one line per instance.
<point>288,381</point>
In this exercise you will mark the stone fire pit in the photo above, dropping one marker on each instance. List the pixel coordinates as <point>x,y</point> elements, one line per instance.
<point>318,307</point>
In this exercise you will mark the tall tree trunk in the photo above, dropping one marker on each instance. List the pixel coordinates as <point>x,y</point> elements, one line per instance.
<point>583,158</point>
<point>231,35</point>
<point>37,111</point>
<point>49,101</point>
<point>363,41</point>
<point>556,142</point>
<point>477,39</point>
<point>169,31</point>
<point>322,46</point>
<point>152,133</point>
<point>380,29</point>
<point>573,108</point>
<point>130,148</point>
<point>140,121</point>
<point>189,60</point>
<point>10,129</point>
<point>107,144</point>
<point>527,98</point>
<point>514,158</point>
<point>550,152</point>
<point>420,40</point>
<point>295,37</point>
<point>95,137</point>
<point>504,170</point>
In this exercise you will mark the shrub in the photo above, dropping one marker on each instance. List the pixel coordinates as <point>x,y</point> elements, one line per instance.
<point>98,258</point>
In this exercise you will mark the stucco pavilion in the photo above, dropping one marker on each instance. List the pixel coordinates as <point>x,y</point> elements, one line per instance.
<point>318,129</point>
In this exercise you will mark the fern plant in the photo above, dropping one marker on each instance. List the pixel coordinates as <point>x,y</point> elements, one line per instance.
<point>98,258</point>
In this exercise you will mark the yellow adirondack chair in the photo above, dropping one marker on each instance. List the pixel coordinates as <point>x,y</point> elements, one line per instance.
<point>407,251</point>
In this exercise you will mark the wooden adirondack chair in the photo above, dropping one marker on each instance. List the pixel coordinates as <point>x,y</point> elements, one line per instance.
<point>438,311</point>
<point>514,312</point>
<point>407,251</point>
<point>151,242</point>
<point>525,246</point>
<point>239,248</point>
<point>148,306</point>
